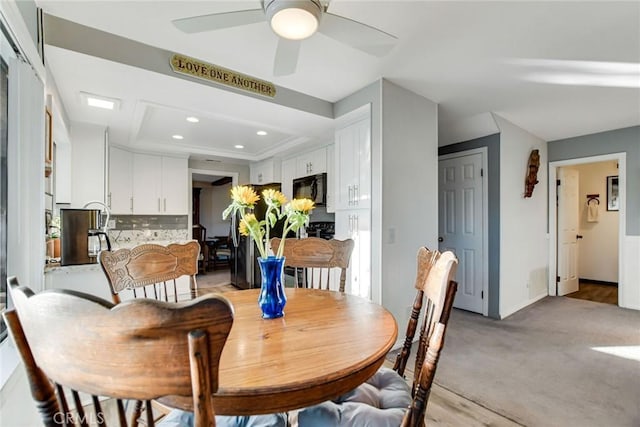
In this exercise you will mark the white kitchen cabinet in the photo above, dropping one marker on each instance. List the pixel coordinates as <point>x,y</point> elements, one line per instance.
<point>175,186</point>
<point>265,172</point>
<point>356,224</point>
<point>353,166</point>
<point>288,175</point>
<point>120,196</point>
<point>331,180</point>
<point>160,185</point>
<point>87,278</point>
<point>311,163</point>
<point>147,182</point>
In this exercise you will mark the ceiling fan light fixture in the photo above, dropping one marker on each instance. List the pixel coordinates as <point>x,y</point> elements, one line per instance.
<point>294,20</point>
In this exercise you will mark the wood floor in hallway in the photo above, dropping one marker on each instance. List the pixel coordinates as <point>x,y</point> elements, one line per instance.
<point>596,292</point>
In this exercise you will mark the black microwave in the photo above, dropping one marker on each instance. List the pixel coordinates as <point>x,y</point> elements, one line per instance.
<point>312,187</point>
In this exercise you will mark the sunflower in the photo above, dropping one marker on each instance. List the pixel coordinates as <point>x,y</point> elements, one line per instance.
<point>243,228</point>
<point>295,213</point>
<point>244,196</point>
<point>274,197</point>
<point>302,205</point>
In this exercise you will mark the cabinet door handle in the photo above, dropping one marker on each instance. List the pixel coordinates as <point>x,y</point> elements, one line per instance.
<point>350,225</point>
<point>165,204</point>
<point>159,204</point>
<point>356,195</point>
<point>356,225</point>
<point>131,204</point>
<point>109,202</point>
<point>350,195</point>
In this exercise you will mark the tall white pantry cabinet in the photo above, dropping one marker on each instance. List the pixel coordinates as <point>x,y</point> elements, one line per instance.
<point>353,199</point>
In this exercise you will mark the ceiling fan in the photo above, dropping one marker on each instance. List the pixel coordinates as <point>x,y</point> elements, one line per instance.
<point>294,21</point>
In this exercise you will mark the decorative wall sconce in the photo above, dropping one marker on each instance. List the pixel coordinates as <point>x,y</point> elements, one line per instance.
<point>532,173</point>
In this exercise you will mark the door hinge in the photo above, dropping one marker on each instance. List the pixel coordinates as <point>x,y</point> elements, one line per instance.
<point>481,294</point>
<point>557,182</point>
<point>481,172</point>
<point>557,279</point>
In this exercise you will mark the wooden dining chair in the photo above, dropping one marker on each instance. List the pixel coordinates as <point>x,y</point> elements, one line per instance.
<point>151,271</point>
<point>220,252</point>
<point>314,259</point>
<point>386,399</point>
<point>199,234</point>
<point>73,343</point>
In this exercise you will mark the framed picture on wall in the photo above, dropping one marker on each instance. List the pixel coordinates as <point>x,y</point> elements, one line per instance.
<point>612,193</point>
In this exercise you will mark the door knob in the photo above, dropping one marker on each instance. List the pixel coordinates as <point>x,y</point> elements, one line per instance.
<point>578,236</point>
<point>440,239</point>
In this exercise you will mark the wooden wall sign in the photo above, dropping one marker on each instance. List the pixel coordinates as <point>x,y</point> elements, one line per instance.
<point>202,70</point>
<point>532,173</point>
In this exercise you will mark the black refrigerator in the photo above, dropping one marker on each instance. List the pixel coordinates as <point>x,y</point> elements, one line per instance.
<point>245,272</point>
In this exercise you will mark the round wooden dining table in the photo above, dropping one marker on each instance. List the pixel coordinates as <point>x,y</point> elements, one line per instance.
<point>326,344</point>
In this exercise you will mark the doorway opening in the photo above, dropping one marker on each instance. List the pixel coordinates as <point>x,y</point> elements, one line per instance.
<point>587,224</point>
<point>210,196</point>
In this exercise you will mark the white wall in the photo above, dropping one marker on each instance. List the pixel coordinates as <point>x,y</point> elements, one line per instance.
<point>87,163</point>
<point>467,129</point>
<point>213,201</point>
<point>241,169</point>
<point>523,225</point>
<point>409,192</point>
<point>598,249</point>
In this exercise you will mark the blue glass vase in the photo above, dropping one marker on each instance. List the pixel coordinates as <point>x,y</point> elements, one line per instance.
<point>272,298</point>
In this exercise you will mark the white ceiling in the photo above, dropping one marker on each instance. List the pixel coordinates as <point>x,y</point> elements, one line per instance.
<point>556,69</point>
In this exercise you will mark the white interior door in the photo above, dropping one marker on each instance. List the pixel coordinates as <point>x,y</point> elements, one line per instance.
<point>568,216</point>
<point>461,198</point>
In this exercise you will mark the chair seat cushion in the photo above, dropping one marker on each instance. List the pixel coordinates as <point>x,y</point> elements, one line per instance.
<point>380,402</point>
<point>178,418</point>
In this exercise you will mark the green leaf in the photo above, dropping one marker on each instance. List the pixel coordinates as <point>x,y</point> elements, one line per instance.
<point>227,211</point>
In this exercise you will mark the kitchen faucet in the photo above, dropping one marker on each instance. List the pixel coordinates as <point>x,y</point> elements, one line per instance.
<point>106,209</point>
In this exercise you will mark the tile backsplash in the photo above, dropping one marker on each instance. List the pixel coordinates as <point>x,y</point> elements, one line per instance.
<point>131,230</point>
<point>146,222</point>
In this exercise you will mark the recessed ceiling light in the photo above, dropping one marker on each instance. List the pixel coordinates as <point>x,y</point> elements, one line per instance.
<point>100,101</point>
<point>261,133</point>
<point>177,137</point>
<point>239,146</point>
<point>193,119</point>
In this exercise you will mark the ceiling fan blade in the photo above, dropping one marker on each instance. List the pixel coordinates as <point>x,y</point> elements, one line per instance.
<point>356,34</point>
<point>218,21</point>
<point>286,59</point>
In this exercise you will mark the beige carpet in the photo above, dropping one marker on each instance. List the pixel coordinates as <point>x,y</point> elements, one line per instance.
<point>542,367</point>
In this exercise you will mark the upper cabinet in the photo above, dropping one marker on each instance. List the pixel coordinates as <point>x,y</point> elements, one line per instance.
<point>353,165</point>
<point>265,172</point>
<point>147,184</point>
<point>120,196</point>
<point>311,163</point>
<point>160,185</point>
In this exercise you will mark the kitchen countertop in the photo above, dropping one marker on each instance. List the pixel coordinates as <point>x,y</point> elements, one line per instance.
<point>55,266</point>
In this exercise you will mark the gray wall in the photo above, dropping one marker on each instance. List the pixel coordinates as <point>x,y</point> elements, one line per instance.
<point>492,142</point>
<point>626,140</point>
